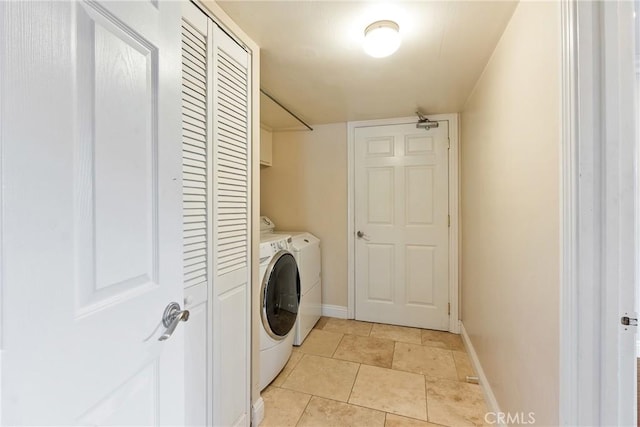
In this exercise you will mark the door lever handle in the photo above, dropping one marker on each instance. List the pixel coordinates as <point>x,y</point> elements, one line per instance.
<point>361,235</point>
<point>170,319</point>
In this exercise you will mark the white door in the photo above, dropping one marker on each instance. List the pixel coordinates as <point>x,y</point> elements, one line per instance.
<point>91,213</point>
<point>197,157</point>
<point>619,156</point>
<point>231,231</point>
<point>401,221</point>
<point>216,158</point>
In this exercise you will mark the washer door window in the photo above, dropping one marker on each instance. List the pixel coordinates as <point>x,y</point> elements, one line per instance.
<point>281,295</point>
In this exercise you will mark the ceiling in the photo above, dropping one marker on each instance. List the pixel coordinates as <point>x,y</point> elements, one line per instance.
<point>313,63</point>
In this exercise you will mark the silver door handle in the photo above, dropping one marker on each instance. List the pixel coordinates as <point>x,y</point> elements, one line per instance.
<point>170,319</point>
<point>361,235</point>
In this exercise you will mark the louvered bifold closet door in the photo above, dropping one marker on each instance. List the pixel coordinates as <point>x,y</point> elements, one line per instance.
<point>232,169</point>
<point>197,157</point>
<point>194,153</point>
<point>231,213</point>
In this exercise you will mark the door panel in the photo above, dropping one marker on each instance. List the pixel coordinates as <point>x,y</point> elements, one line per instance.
<point>419,262</point>
<point>232,373</point>
<point>216,160</point>
<point>118,98</point>
<point>91,213</point>
<point>416,145</point>
<point>196,166</point>
<point>132,403</point>
<point>196,351</point>
<point>231,230</point>
<point>196,150</point>
<point>380,190</point>
<point>401,207</point>
<point>380,273</point>
<point>419,204</point>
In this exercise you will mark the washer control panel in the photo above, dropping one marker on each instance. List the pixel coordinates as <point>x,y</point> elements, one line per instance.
<point>272,244</point>
<point>281,245</point>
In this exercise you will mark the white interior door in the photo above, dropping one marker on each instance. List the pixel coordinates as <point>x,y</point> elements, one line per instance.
<point>401,221</point>
<point>619,153</point>
<point>91,213</point>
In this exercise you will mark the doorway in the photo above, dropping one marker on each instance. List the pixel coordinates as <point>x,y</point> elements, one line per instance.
<point>403,263</point>
<point>599,190</point>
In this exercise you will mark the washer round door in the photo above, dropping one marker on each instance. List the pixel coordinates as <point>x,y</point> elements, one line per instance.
<point>280,295</point>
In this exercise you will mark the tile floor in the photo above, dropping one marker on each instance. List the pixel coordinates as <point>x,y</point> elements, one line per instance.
<point>351,373</point>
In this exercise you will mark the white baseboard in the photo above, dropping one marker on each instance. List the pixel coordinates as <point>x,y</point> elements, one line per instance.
<point>242,421</point>
<point>489,397</point>
<point>334,311</point>
<point>638,348</point>
<point>257,412</point>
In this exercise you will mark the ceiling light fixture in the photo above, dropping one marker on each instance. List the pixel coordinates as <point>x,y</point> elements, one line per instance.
<point>381,38</point>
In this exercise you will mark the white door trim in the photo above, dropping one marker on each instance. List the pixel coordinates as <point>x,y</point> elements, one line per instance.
<point>2,142</point>
<point>2,297</point>
<point>569,370</point>
<point>454,325</point>
<point>597,214</point>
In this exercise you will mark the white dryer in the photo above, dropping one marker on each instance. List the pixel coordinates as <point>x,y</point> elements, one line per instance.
<point>280,299</point>
<point>306,250</point>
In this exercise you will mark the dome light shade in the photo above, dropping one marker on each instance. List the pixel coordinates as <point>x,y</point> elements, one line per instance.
<point>381,38</point>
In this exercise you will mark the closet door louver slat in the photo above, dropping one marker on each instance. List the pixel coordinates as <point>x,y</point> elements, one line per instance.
<point>194,156</point>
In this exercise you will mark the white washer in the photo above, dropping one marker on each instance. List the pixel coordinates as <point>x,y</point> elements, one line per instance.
<point>306,250</point>
<point>280,299</point>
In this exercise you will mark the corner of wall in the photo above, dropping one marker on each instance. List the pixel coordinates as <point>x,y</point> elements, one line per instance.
<point>489,397</point>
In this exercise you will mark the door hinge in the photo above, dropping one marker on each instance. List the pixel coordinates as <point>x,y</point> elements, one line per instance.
<point>448,220</point>
<point>449,309</point>
<point>448,142</point>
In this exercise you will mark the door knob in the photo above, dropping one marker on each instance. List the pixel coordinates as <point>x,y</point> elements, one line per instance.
<point>170,319</point>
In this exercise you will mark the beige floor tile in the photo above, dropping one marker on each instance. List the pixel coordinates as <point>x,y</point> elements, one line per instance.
<point>367,350</point>
<point>324,412</point>
<point>401,393</point>
<point>442,340</point>
<point>396,333</point>
<point>323,377</point>
<point>283,407</point>
<point>370,388</point>
<point>320,343</point>
<point>321,322</point>
<point>346,326</point>
<point>455,403</point>
<point>291,363</point>
<point>435,362</point>
<point>398,421</point>
<point>463,365</point>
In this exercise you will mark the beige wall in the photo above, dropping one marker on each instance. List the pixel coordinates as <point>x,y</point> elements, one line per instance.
<point>306,189</point>
<point>510,214</point>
